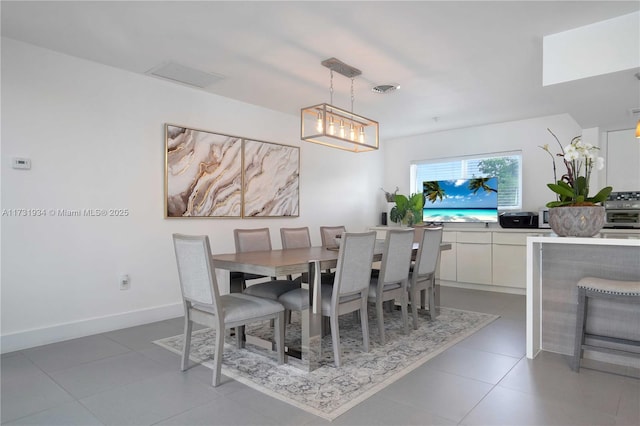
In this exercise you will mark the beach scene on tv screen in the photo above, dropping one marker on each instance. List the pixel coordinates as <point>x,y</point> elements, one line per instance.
<point>461,200</point>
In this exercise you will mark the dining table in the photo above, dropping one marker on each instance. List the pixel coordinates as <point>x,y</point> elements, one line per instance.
<point>280,263</point>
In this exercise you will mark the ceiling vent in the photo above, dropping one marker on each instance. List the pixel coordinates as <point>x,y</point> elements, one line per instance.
<point>385,88</point>
<point>185,75</point>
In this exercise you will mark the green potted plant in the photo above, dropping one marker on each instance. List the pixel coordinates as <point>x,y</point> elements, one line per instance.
<point>572,190</point>
<point>408,210</point>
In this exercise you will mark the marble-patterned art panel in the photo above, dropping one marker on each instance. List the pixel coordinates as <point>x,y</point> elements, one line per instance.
<point>270,179</point>
<point>203,173</point>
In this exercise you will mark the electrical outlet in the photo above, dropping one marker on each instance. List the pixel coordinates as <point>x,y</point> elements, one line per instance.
<point>125,282</point>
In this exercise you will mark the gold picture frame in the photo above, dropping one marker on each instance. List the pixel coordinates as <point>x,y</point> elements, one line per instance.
<point>213,175</point>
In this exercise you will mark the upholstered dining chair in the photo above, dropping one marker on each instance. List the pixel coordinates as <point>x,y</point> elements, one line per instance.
<point>293,238</point>
<point>248,240</point>
<point>392,282</point>
<point>204,305</point>
<point>329,233</point>
<point>349,290</point>
<point>328,236</point>
<point>423,275</point>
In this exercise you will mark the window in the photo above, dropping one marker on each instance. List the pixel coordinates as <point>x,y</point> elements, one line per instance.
<point>506,166</point>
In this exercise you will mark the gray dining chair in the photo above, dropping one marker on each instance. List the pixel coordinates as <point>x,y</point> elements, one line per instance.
<point>422,280</point>
<point>392,281</point>
<point>349,290</point>
<point>248,240</point>
<point>293,238</point>
<point>328,234</point>
<point>204,305</point>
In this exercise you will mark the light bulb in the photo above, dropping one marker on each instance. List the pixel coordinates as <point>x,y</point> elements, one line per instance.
<point>362,134</point>
<point>332,127</point>
<point>352,132</point>
<point>319,123</point>
<point>342,129</point>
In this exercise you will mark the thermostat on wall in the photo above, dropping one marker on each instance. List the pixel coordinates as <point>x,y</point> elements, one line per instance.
<point>21,163</point>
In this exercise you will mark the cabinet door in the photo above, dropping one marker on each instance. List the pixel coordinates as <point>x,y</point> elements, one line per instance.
<point>447,265</point>
<point>474,258</point>
<point>509,265</point>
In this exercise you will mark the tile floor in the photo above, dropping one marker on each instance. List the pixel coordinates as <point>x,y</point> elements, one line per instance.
<point>122,378</point>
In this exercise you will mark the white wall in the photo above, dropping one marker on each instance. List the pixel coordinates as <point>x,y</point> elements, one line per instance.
<point>95,136</point>
<point>524,135</point>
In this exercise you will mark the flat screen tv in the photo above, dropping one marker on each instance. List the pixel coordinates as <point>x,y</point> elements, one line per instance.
<point>461,200</point>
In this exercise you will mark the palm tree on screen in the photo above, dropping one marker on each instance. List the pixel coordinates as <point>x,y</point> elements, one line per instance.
<point>480,183</point>
<point>433,191</point>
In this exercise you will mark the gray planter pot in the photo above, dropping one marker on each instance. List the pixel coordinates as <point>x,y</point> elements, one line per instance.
<point>576,221</point>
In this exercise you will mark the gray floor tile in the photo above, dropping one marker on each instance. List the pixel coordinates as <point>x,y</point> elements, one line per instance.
<point>375,411</point>
<point>224,412</point>
<point>442,394</point>
<point>99,376</point>
<point>61,355</point>
<point>503,337</point>
<point>509,407</point>
<point>549,377</point>
<point>274,409</point>
<point>629,407</point>
<point>474,364</point>
<point>69,414</point>
<point>150,401</point>
<point>142,336</point>
<point>30,393</point>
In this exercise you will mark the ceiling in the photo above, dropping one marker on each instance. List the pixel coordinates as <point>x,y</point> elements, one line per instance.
<point>459,64</point>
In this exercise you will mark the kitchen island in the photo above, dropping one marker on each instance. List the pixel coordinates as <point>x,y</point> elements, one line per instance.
<point>554,266</point>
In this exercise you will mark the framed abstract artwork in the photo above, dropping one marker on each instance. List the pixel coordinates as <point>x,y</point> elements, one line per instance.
<point>214,175</point>
<point>203,174</point>
<point>270,179</point>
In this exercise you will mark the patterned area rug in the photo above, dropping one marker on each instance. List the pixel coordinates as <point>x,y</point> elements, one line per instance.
<point>329,391</point>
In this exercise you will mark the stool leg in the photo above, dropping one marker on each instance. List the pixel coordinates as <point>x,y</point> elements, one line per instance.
<point>581,316</point>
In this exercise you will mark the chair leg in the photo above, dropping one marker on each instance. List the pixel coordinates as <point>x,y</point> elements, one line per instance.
<point>581,316</point>
<point>414,307</point>
<point>364,320</point>
<point>380,318</point>
<point>218,356</point>
<point>240,337</point>
<point>433,309</point>
<point>188,325</point>
<point>335,338</point>
<point>405,311</point>
<point>423,299</point>
<point>278,332</point>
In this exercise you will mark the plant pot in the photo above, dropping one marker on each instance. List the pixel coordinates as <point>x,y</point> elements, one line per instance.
<point>576,221</point>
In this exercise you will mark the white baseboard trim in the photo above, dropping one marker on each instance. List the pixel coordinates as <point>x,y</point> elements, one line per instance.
<point>484,287</point>
<point>72,330</point>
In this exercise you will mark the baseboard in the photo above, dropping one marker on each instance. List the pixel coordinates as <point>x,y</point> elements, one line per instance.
<point>484,287</point>
<point>73,330</point>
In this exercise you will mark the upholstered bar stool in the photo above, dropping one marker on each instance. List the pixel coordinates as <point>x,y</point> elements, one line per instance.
<point>599,288</point>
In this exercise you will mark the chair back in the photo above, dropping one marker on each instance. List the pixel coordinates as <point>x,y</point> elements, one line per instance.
<point>418,230</point>
<point>195,270</point>
<point>396,257</point>
<point>428,252</point>
<point>329,233</point>
<point>353,271</point>
<point>295,238</point>
<point>252,239</point>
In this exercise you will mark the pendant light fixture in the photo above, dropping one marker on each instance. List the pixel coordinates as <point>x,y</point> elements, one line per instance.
<point>335,127</point>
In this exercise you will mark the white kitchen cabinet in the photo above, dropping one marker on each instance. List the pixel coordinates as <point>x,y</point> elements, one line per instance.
<point>473,257</point>
<point>509,259</point>
<point>447,265</point>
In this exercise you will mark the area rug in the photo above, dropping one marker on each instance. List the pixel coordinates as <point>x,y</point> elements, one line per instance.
<point>329,391</point>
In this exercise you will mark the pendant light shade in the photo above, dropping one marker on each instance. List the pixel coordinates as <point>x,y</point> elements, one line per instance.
<point>331,126</point>
<point>328,125</point>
